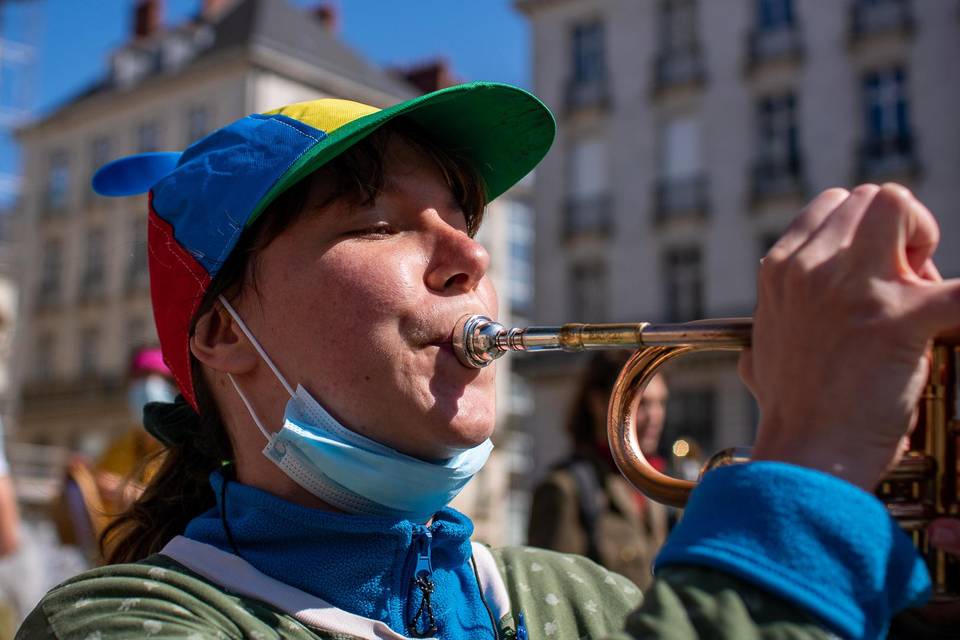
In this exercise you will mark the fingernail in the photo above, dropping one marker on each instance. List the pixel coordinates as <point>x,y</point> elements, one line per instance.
<point>943,537</point>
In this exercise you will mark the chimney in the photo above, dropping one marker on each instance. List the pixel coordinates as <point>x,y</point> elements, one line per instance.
<point>211,10</point>
<point>147,18</point>
<point>329,17</point>
<point>429,76</point>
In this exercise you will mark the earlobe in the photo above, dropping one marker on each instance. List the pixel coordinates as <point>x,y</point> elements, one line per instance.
<point>219,343</point>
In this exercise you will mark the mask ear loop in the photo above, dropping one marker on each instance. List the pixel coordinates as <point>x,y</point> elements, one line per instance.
<point>263,354</point>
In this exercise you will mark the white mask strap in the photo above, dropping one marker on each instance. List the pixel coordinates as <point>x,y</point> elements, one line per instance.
<point>256,345</point>
<point>253,414</point>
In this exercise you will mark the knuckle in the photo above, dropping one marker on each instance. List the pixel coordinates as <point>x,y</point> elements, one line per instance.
<point>867,190</point>
<point>834,193</point>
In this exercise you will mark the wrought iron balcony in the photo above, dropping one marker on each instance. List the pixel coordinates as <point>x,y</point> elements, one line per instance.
<point>588,215</point>
<point>587,93</point>
<point>887,157</point>
<point>681,198</point>
<point>880,16</point>
<point>678,68</point>
<point>772,177</point>
<point>775,45</point>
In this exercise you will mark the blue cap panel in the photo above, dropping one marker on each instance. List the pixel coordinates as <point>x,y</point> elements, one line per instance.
<point>220,179</point>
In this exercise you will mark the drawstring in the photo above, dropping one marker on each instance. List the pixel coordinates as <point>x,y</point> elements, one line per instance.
<point>425,584</point>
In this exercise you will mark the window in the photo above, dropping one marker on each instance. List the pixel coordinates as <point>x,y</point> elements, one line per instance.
<point>678,59</point>
<point>587,86</point>
<point>680,149</point>
<point>885,99</point>
<point>690,415</point>
<point>588,197</point>
<point>682,188</point>
<point>774,35</point>
<point>678,26</point>
<point>94,269</point>
<point>99,156</point>
<point>588,299</point>
<point>50,270</point>
<point>684,284</point>
<point>888,142</point>
<point>878,16</point>
<point>43,357</point>
<point>137,266</point>
<point>520,268</point>
<point>777,166</point>
<point>148,137</point>
<point>89,350</point>
<point>198,124</point>
<point>588,54</point>
<point>773,15</point>
<point>58,181</point>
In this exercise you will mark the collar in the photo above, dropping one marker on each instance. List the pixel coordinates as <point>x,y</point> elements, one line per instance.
<point>360,564</point>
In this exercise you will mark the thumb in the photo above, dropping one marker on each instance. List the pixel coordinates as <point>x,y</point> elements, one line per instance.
<point>938,308</point>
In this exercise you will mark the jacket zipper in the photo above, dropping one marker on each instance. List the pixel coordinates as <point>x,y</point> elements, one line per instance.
<point>422,624</point>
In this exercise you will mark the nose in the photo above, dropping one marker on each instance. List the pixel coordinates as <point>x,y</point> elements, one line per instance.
<point>458,262</point>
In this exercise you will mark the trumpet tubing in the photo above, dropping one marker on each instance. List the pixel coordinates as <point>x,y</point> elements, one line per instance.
<point>923,486</point>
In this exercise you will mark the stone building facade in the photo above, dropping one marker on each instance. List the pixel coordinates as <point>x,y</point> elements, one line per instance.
<point>691,133</point>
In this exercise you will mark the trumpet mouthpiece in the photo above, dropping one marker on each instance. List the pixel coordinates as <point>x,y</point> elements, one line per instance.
<point>475,341</point>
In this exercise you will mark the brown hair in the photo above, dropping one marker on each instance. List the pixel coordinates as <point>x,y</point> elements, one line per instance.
<point>600,373</point>
<point>180,490</point>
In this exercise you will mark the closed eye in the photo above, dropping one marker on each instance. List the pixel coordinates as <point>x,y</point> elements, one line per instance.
<point>381,229</point>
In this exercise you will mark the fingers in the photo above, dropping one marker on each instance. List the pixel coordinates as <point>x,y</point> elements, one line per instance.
<point>807,222</point>
<point>839,227</point>
<point>945,534</point>
<point>897,234</point>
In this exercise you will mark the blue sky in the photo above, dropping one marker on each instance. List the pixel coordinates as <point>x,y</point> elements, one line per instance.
<point>483,40</point>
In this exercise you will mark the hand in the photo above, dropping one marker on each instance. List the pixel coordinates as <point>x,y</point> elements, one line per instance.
<point>945,535</point>
<point>848,300</point>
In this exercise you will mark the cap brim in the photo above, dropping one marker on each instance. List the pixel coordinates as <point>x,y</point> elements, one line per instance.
<point>502,130</point>
<point>134,174</point>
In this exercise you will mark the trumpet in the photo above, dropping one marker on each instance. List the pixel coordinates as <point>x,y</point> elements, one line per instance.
<point>922,486</point>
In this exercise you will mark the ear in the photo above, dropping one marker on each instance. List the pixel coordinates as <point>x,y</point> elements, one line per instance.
<point>219,343</point>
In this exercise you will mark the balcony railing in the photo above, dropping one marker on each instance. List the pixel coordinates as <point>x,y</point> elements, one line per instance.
<point>886,16</point>
<point>80,389</point>
<point>887,157</point>
<point>588,93</point>
<point>772,177</point>
<point>678,68</point>
<point>681,198</point>
<point>588,215</point>
<point>774,45</point>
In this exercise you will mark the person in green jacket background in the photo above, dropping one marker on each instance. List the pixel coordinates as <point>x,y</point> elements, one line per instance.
<point>307,267</point>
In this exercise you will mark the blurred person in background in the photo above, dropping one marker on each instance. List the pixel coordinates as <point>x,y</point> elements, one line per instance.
<point>94,493</point>
<point>130,459</point>
<point>585,506</point>
<point>12,609</point>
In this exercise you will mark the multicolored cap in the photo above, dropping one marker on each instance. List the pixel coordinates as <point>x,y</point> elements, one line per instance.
<point>203,198</point>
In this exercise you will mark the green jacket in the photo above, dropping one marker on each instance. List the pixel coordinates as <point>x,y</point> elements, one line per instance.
<point>562,596</point>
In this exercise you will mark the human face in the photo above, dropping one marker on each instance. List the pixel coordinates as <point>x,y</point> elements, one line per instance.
<point>651,412</point>
<point>357,304</point>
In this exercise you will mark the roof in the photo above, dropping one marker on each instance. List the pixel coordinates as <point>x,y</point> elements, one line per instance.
<point>272,25</point>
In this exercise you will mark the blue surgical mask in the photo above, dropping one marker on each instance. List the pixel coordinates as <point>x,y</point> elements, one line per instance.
<point>352,472</point>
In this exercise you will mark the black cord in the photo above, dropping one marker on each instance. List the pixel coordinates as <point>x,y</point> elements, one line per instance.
<point>476,574</point>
